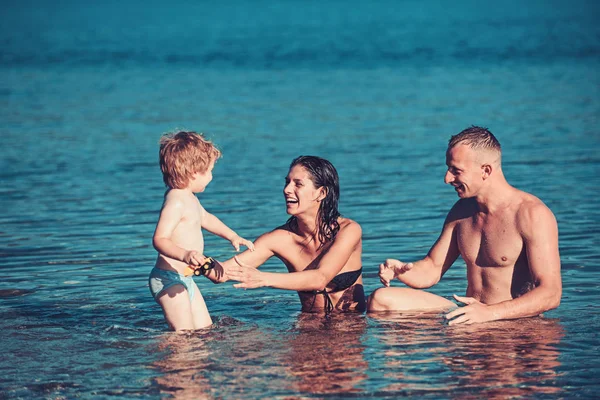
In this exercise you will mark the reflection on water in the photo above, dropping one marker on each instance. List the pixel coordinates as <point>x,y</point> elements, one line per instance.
<point>180,369</point>
<point>416,356</point>
<point>326,355</point>
<point>225,360</point>
<point>315,356</point>
<point>506,359</point>
<point>497,360</point>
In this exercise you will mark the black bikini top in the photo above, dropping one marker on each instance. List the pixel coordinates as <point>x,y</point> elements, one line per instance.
<point>339,282</point>
<point>344,280</point>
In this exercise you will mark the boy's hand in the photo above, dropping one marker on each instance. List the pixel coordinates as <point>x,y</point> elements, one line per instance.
<point>238,240</point>
<point>217,274</point>
<point>193,258</point>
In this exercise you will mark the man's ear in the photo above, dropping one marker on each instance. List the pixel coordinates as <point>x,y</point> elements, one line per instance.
<point>486,171</point>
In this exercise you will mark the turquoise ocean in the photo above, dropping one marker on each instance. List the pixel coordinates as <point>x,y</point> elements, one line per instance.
<point>377,87</point>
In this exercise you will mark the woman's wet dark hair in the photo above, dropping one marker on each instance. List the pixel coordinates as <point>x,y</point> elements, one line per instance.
<point>323,174</point>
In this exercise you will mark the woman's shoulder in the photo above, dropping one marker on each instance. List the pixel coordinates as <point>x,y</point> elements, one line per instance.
<point>276,240</point>
<point>347,223</point>
<point>349,227</point>
<point>278,233</point>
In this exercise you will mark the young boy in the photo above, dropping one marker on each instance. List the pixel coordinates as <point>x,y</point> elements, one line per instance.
<point>186,161</point>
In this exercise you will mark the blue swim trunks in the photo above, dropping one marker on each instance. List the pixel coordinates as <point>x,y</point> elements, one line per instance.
<point>160,280</point>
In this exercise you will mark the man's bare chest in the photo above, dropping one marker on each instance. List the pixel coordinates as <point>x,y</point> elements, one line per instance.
<point>489,242</point>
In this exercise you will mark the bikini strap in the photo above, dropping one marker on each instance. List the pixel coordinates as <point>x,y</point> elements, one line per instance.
<point>328,303</point>
<point>348,279</point>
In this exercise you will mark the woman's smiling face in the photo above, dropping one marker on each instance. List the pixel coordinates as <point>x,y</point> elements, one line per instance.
<point>300,192</point>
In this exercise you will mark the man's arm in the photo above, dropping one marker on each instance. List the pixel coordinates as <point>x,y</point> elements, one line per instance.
<point>427,272</point>
<point>540,236</point>
<point>329,266</point>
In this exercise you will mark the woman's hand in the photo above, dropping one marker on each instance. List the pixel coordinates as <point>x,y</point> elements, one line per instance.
<point>249,278</point>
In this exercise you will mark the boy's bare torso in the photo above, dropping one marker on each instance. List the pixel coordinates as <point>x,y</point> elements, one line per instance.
<point>187,234</point>
<point>493,249</point>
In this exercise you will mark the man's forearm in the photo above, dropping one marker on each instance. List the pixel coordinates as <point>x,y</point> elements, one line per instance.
<point>530,304</point>
<point>423,275</point>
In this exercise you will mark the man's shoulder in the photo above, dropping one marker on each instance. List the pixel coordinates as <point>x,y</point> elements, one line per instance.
<point>528,203</point>
<point>532,212</point>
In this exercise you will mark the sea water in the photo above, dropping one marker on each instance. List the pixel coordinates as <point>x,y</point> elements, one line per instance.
<point>86,90</point>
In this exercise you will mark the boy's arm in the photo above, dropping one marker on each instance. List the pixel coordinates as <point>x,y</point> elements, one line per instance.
<point>215,226</point>
<point>314,279</point>
<point>170,215</point>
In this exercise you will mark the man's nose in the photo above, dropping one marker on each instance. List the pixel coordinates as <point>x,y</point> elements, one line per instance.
<point>448,177</point>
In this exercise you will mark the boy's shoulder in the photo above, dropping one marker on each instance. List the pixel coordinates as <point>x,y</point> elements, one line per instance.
<point>180,198</point>
<point>179,194</point>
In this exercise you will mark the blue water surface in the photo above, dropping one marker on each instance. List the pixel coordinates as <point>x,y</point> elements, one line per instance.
<point>87,88</point>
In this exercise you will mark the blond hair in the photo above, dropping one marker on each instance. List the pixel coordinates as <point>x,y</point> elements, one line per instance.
<point>476,138</point>
<point>481,140</point>
<point>182,154</point>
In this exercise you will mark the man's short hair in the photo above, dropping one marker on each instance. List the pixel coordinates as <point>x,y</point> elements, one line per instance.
<point>477,138</point>
<point>182,154</point>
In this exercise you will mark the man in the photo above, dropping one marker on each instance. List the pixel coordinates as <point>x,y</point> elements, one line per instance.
<point>508,239</point>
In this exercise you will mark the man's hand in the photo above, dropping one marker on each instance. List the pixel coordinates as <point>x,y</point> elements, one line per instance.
<point>237,241</point>
<point>474,312</point>
<point>390,269</point>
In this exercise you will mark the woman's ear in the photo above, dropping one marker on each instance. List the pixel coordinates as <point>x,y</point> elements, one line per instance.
<point>322,194</point>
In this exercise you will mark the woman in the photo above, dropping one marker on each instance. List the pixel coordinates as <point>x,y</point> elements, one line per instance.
<point>320,248</point>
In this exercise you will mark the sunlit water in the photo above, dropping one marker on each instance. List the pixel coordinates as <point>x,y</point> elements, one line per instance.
<point>86,92</point>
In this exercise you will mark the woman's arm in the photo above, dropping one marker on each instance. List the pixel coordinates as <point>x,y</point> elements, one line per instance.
<point>263,250</point>
<point>329,266</point>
